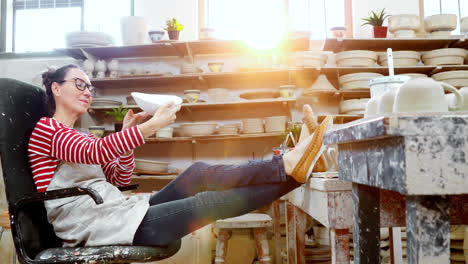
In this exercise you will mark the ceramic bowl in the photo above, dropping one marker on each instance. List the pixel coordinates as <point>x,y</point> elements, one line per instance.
<point>229,129</point>
<point>151,165</point>
<point>456,78</point>
<point>165,132</point>
<point>192,95</point>
<point>156,35</point>
<point>216,66</point>
<point>275,124</point>
<point>356,58</point>
<point>440,34</point>
<point>447,22</point>
<point>353,105</point>
<point>413,75</point>
<point>401,58</point>
<point>97,131</point>
<point>287,91</point>
<point>404,26</point>
<point>338,32</point>
<point>447,56</point>
<point>218,94</point>
<point>464,25</point>
<point>105,102</point>
<point>198,128</point>
<point>357,80</point>
<point>313,59</point>
<point>151,102</point>
<point>253,125</point>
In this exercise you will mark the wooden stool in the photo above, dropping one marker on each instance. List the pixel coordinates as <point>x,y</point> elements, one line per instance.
<point>257,222</point>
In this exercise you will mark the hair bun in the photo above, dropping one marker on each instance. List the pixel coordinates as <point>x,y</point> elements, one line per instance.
<point>48,75</point>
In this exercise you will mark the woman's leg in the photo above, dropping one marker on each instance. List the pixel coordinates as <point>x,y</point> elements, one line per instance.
<point>202,177</point>
<point>169,221</point>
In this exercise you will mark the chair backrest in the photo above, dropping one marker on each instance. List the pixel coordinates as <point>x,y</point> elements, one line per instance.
<point>21,107</point>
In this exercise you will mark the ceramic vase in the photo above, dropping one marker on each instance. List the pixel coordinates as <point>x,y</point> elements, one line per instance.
<point>113,67</point>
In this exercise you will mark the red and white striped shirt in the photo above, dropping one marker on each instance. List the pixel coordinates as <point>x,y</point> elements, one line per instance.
<point>52,142</point>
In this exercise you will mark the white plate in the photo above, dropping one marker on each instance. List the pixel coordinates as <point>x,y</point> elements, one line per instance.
<point>151,102</point>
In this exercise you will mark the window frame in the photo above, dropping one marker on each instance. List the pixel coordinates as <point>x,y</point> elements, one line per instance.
<point>348,4</point>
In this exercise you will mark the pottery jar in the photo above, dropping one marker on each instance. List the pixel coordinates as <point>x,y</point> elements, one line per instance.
<point>425,95</point>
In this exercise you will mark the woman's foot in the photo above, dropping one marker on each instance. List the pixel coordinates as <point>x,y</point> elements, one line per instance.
<point>297,162</point>
<point>307,114</point>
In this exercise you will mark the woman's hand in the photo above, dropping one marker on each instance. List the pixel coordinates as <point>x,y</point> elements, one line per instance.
<point>164,116</point>
<point>132,119</point>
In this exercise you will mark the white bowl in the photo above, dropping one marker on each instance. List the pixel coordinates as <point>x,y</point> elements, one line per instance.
<point>356,58</point>
<point>357,80</point>
<point>456,78</point>
<point>401,58</point>
<point>447,56</point>
<point>252,125</point>
<point>165,132</point>
<point>464,25</point>
<point>275,124</point>
<point>309,59</point>
<point>151,165</point>
<point>151,102</point>
<point>198,128</point>
<point>447,22</point>
<point>353,105</point>
<point>404,25</point>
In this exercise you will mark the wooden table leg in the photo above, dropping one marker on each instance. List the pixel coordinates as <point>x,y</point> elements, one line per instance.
<point>221,246</point>
<point>277,232</point>
<point>366,224</point>
<point>295,227</point>
<point>261,243</point>
<point>428,229</point>
<point>339,241</point>
<point>396,254</point>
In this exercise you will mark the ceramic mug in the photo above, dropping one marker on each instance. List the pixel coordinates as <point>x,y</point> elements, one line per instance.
<point>464,92</point>
<point>425,95</point>
<point>192,95</point>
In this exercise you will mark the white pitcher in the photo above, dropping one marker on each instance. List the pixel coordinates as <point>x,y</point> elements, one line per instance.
<point>425,95</point>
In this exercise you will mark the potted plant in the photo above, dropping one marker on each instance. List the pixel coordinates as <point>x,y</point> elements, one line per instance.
<point>119,114</point>
<point>173,28</point>
<point>376,20</point>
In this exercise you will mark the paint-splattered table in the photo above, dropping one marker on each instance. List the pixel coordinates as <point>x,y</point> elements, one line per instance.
<point>424,159</point>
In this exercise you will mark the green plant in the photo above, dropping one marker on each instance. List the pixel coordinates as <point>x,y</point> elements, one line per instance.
<point>295,129</point>
<point>376,18</point>
<point>118,113</point>
<point>173,25</point>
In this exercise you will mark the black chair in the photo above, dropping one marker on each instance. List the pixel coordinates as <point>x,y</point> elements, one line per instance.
<point>21,106</point>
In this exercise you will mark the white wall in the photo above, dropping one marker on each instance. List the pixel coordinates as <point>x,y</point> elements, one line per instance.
<point>361,8</point>
<point>158,11</point>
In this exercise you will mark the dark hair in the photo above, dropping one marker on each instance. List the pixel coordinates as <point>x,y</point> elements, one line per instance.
<point>54,75</point>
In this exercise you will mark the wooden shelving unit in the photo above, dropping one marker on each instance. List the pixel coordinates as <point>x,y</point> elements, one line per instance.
<point>177,48</point>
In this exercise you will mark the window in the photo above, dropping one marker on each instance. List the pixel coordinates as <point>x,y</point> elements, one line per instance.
<point>267,19</point>
<point>457,7</point>
<point>41,25</point>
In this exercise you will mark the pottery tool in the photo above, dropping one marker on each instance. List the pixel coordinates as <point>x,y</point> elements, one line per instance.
<point>390,62</point>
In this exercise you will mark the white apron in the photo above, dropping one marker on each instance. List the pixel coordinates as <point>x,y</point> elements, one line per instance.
<point>79,221</point>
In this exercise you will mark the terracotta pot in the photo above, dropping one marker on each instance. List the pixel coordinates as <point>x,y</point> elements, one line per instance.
<point>379,32</point>
<point>173,35</point>
<point>118,127</point>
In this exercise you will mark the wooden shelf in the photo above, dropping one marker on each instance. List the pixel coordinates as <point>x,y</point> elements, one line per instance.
<point>178,48</point>
<point>214,137</point>
<point>340,119</point>
<point>150,81</point>
<point>429,70</point>
<point>234,104</point>
<point>376,44</point>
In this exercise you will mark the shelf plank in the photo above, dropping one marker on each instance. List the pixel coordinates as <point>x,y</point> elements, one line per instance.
<point>340,119</point>
<point>214,137</point>
<point>378,69</point>
<point>178,48</point>
<point>346,94</point>
<point>213,105</point>
<point>376,44</point>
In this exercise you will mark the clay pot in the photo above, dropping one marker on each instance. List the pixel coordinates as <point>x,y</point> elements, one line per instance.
<point>379,32</point>
<point>357,80</point>
<point>448,56</point>
<point>401,58</point>
<point>443,22</point>
<point>455,78</point>
<point>173,35</point>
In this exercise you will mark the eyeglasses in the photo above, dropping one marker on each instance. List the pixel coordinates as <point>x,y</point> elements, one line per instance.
<point>81,85</point>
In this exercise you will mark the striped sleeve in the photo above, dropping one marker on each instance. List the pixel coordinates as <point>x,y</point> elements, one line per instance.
<point>119,171</point>
<point>71,146</point>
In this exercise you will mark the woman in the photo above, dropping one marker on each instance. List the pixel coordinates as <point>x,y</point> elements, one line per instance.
<point>61,157</point>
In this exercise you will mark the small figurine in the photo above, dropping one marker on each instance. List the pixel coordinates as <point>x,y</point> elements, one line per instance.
<point>100,69</point>
<point>113,67</point>
<point>88,68</point>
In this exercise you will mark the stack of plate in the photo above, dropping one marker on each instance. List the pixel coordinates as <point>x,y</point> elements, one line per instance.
<point>151,166</point>
<point>82,39</point>
<point>456,78</point>
<point>357,80</point>
<point>105,102</point>
<point>252,125</point>
<point>228,129</point>
<point>353,106</point>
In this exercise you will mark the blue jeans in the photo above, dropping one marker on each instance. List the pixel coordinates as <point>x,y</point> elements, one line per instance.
<point>205,193</point>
